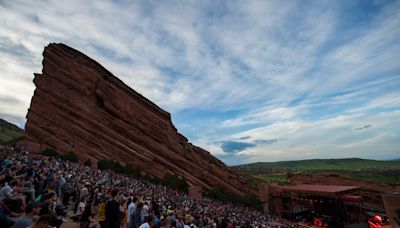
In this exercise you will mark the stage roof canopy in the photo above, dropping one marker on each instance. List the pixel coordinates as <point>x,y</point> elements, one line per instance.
<point>319,189</point>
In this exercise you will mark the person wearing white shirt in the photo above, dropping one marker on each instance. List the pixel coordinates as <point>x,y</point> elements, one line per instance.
<point>146,223</point>
<point>131,211</point>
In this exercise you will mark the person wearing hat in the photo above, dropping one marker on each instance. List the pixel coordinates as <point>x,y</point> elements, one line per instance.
<point>32,209</point>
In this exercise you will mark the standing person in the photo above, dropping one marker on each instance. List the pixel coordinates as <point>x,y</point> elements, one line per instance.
<point>112,211</point>
<point>81,208</point>
<point>171,219</point>
<point>66,193</point>
<point>131,213</point>
<point>32,209</point>
<point>155,208</point>
<point>145,211</point>
<point>60,182</point>
<point>130,206</point>
<point>84,192</point>
<point>87,218</point>
<point>101,217</point>
<point>86,213</point>
<point>28,189</point>
<point>137,217</point>
<point>123,207</point>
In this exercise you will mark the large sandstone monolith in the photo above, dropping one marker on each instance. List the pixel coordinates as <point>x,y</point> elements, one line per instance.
<point>80,106</point>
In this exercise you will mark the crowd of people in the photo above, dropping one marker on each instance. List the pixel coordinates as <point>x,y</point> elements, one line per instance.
<point>37,191</point>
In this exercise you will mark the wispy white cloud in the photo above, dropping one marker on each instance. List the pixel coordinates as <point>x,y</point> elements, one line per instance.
<point>298,71</point>
<point>265,115</point>
<point>333,137</point>
<point>390,100</point>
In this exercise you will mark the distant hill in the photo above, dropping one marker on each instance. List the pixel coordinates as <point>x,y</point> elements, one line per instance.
<point>346,164</point>
<point>9,133</point>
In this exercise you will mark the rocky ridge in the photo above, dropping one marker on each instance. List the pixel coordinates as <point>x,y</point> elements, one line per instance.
<point>80,106</point>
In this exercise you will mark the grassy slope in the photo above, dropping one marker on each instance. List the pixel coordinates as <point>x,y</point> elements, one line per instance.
<point>274,178</point>
<point>9,132</point>
<point>348,164</point>
<point>353,167</point>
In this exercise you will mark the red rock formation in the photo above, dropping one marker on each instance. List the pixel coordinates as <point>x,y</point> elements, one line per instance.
<point>80,106</point>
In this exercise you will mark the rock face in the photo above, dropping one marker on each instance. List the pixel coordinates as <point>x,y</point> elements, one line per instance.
<point>80,106</point>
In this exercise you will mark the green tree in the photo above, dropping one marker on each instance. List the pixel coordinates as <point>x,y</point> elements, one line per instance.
<point>175,182</point>
<point>137,173</point>
<point>70,156</point>
<point>88,162</point>
<point>50,152</point>
<point>115,166</point>
<point>225,195</point>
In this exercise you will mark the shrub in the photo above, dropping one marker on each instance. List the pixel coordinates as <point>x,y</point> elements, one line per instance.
<point>175,182</point>
<point>225,195</point>
<point>12,142</point>
<point>70,156</point>
<point>115,166</point>
<point>151,178</point>
<point>137,173</point>
<point>50,152</point>
<point>105,164</point>
<point>128,169</point>
<point>88,162</point>
<point>251,182</point>
<point>155,180</point>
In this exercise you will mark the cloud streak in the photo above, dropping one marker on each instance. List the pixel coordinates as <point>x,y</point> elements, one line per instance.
<point>363,127</point>
<point>300,73</point>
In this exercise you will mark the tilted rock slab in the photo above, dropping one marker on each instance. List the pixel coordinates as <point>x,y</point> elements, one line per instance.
<point>80,106</point>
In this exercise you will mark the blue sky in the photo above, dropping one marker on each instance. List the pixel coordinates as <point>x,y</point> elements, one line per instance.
<point>247,80</point>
